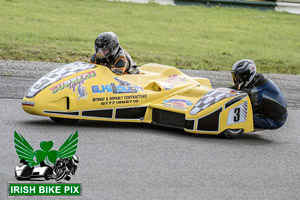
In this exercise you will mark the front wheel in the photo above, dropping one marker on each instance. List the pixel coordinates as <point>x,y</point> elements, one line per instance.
<point>233,133</point>
<point>64,120</point>
<point>61,173</point>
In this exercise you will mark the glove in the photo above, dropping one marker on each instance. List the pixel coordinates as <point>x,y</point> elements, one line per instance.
<point>117,71</point>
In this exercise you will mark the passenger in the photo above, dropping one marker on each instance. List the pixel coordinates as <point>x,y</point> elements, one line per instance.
<point>268,103</point>
<point>109,53</point>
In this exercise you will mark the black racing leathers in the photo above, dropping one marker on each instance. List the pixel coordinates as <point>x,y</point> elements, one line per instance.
<point>268,103</point>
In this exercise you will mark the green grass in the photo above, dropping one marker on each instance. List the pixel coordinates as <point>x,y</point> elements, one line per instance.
<point>192,37</point>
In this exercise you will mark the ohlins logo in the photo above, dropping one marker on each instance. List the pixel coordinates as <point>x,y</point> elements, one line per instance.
<point>122,88</point>
<point>74,82</point>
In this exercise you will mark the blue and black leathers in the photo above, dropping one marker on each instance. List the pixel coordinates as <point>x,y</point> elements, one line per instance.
<point>268,103</point>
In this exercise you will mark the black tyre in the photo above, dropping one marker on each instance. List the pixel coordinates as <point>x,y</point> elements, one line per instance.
<point>67,178</point>
<point>48,173</point>
<point>233,133</point>
<point>64,120</point>
<point>47,177</point>
<point>60,174</point>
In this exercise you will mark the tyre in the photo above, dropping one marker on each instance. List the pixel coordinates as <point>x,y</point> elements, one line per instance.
<point>233,133</point>
<point>67,178</point>
<point>64,120</point>
<point>60,174</point>
<point>48,173</point>
<point>47,176</point>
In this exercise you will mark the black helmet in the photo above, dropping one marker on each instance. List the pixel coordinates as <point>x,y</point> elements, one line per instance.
<point>243,72</point>
<point>106,45</point>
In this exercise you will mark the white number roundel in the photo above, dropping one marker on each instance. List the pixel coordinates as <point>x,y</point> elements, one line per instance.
<point>237,114</point>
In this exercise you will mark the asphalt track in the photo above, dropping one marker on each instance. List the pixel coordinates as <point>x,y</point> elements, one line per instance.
<point>140,161</point>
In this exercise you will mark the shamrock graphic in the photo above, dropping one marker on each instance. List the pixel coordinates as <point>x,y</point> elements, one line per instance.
<point>26,152</point>
<point>45,153</point>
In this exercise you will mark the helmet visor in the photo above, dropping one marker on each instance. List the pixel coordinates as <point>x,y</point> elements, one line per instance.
<point>237,80</point>
<point>234,78</point>
<point>102,52</point>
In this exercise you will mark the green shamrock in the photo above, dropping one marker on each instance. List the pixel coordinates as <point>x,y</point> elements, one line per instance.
<point>45,153</point>
<point>26,152</point>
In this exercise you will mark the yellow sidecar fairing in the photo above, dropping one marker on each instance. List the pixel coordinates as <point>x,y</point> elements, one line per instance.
<point>160,95</point>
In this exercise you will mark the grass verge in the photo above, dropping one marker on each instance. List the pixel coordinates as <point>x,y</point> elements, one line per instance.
<point>191,37</point>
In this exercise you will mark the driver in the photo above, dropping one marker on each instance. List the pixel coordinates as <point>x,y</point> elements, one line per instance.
<point>268,103</point>
<point>109,53</point>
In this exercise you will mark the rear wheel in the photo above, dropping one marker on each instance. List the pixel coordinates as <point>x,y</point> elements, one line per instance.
<point>47,174</point>
<point>233,133</point>
<point>64,120</point>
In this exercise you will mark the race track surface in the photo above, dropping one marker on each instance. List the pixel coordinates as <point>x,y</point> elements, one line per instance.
<point>140,161</point>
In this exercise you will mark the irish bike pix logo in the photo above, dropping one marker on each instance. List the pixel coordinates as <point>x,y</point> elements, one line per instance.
<point>45,164</point>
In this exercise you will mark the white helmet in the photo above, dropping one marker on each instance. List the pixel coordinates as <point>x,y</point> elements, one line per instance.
<point>75,159</point>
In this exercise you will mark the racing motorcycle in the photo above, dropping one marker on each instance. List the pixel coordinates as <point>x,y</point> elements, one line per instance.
<point>63,168</point>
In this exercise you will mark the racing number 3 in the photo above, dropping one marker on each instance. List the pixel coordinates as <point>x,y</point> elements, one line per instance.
<point>236,117</point>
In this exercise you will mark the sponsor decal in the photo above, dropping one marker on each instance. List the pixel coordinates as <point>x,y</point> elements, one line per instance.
<point>122,88</point>
<point>56,75</point>
<point>74,83</point>
<point>120,99</point>
<point>176,79</point>
<point>81,92</point>
<point>45,164</point>
<point>172,81</point>
<point>180,104</point>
